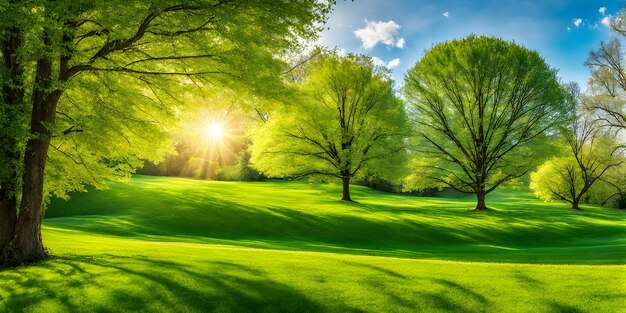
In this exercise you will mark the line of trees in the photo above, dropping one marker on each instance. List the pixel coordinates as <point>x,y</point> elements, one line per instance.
<point>89,91</point>
<point>475,114</point>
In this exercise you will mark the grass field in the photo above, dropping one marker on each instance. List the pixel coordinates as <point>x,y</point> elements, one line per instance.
<point>168,244</point>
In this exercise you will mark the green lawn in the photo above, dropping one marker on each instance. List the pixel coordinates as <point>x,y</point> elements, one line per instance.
<point>167,244</point>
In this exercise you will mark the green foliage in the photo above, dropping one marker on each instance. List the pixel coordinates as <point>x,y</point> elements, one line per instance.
<point>485,111</point>
<point>242,170</point>
<point>107,127</point>
<point>599,180</point>
<point>547,182</point>
<point>607,85</point>
<point>197,152</point>
<point>128,68</point>
<point>611,188</point>
<point>343,121</point>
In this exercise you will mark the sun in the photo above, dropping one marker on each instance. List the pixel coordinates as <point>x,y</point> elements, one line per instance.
<point>216,131</point>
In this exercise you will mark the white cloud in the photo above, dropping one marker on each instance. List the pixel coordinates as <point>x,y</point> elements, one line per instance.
<point>400,43</point>
<point>606,21</point>
<point>602,10</point>
<point>379,32</point>
<point>577,22</point>
<point>342,52</point>
<point>379,62</point>
<point>569,29</point>
<point>446,14</point>
<point>393,63</point>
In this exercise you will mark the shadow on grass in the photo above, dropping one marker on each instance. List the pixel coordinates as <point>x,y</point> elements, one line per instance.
<point>417,301</point>
<point>114,283</point>
<point>527,281</point>
<point>308,217</point>
<point>375,268</point>
<point>111,283</point>
<point>563,308</point>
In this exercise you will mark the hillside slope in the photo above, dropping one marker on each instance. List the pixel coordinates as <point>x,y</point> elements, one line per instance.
<point>303,216</point>
<point>179,245</point>
<point>99,273</point>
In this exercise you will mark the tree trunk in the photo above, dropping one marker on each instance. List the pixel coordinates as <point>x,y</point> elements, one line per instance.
<point>346,188</point>
<point>480,200</point>
<point>9,185</point>
<point>27,246</point>
<point>11,128</point>
<point>575,203</point>
<point>8,217</point>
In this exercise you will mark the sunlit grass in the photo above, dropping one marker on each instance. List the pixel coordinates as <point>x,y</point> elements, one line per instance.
<point>303,216</point>
<point>104,273</point>
<point>168,244</point>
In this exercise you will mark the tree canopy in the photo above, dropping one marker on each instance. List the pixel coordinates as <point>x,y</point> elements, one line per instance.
<point>90,87</point>
<point>592,153</point>
<point>479,105</point>
<point>346,122</point>
<point>608,83</point>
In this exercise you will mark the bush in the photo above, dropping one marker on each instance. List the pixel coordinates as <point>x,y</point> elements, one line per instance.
<point>242,171</point>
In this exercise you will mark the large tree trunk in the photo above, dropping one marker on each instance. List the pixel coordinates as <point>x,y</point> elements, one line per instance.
<point>480,200</point>
<point>8,217</point>
<point>13,111</point>
<point>346,188</point>
<point>9,184</point>
<point>27,246</point>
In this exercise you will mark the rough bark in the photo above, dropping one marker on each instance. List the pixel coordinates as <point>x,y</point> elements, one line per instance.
<point>8,217</point>
<point>27,246</point>
<point>9,185</point>
<point>346,188</point>
<point>13,109</point>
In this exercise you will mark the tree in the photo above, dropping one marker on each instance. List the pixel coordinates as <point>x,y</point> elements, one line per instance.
<point>13,114</point>
<point>608,80</point>
<point>347,122</point>
<point>66,57</point>
<point>592,153</point>
<point>480,104</point>
<point>610,189</point>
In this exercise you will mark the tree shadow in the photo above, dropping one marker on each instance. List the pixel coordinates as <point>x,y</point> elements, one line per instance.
<point>563,308</point>
<point>115,283</point>
<point>527,281</point>
<point>435,293</point>
<point>418,227</point>
<point>379,269</point>
<point>461,289</point>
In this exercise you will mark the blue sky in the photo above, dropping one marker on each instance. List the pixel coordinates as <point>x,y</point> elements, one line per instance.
<point>397,32</point>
